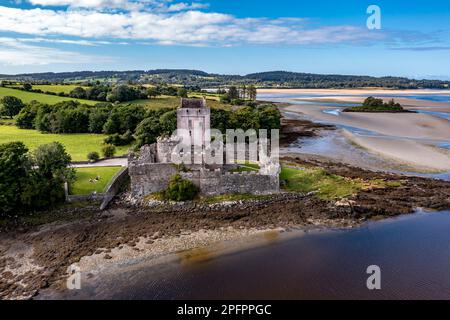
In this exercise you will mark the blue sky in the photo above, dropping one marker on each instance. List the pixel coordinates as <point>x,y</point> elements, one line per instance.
<point>226,36</point>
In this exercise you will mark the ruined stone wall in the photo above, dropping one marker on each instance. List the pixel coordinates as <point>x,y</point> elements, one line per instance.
<point>164,149</point>
<point>216,182</point>
<point>149,178</point>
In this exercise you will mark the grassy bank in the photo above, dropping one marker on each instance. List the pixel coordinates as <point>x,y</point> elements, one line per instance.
<point>26,96</point>
<point>325,185</point>
<point>77,145</point>
<point>92,179</point>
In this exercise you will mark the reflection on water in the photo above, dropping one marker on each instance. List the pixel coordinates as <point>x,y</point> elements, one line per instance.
<point>413,253</point>
<point>196,255</point>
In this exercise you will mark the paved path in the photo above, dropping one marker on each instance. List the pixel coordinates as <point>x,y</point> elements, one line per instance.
<point>122,162</point>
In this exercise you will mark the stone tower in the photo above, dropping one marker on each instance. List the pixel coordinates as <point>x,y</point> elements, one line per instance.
<point>193,117</point>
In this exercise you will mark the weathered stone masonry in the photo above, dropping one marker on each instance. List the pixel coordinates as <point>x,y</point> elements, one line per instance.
<point>152,169</point>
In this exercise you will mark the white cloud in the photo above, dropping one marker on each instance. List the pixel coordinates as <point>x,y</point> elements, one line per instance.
<point>154,5</point>
<point>182,28</point>
<point>17,53</point>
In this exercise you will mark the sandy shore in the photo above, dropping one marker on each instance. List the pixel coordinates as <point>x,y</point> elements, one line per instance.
<point>406,151</point>
<point>407,103</point>
<point>409,125</point>
<point>406,137</point>
<point>374,91</point>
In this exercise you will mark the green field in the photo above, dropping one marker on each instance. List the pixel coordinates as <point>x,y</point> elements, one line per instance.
<point>56,88</point>
<point>40,97</point>
<point>86,182</point>
<point>77,145</point>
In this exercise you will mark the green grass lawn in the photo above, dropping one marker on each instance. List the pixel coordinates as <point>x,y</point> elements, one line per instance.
<point>40,97</point>
<point>86,182</point>
<point>77,145</point>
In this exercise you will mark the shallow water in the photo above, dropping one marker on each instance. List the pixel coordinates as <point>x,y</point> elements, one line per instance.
<point>343,150</point>
<point>412,251</point>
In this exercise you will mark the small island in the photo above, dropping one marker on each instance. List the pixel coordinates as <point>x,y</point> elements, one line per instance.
<point>372,104</point>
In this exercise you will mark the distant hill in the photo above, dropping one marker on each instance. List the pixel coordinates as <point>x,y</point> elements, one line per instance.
<point>196,78</point>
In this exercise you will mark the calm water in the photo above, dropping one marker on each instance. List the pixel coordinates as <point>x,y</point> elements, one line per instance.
<point>412,251</point>
<point>338,146</point>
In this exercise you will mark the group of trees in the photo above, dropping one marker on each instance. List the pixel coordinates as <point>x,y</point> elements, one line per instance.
<point>122,123</point>
<point>196,78</point>
<point>112,93</point>
<point>376,102</point>
<point>372,104</point>
<point>30,181</point>
<point>264,116</point>
<point>238,95</point>
<point>125,123</point>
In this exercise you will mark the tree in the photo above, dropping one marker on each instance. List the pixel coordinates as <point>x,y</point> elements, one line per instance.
<point>46,182</point>
<point>26,117</point>
<point>245,118</point>
<point>11,106</point>
<point>220,119</point>
<point>51,159</point>
<point>168,122</point>
<point>233,93</point>
<point>14,175</point>
<point>152,92</point>
<point>122,93</point>
<point>93,156</point>
<point>252,92</point>
<point>78,93</point>
<point>373,102</point>
<point>147,131</point>
<point>112,125</point>
<point>244,92</point>
<point>269,117</point>
<point>97,119</point>
<point>27,86</point>
<point>182,93</point>
<point>108,150</point>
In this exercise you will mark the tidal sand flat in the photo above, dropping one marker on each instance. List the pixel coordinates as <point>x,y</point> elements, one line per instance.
<point>411,125</point>
<point>407,138</point>
<point>410,152</point>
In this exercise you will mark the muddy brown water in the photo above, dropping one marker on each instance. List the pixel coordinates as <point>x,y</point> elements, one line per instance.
<point>413,253</point>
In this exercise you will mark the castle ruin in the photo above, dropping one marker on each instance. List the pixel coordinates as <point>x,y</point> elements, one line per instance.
<point>151,169</point>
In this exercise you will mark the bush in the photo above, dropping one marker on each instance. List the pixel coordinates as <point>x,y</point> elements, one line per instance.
<point>180,189</point>
<point>119,140</point>
<point>108,150</point>
<point>93,156</point>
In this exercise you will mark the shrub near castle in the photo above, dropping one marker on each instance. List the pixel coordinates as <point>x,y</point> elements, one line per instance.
<point>180,189</point>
